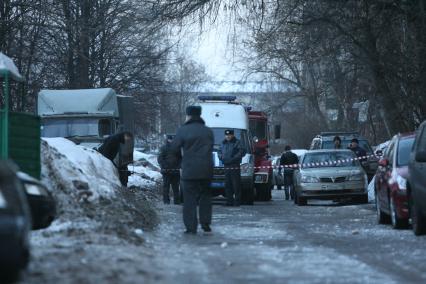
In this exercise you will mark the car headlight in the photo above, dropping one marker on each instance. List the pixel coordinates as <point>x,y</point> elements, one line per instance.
<point>309,179</point>
<point>357,177</point>
<point>402,182</point>
<point>246,169</point>
<point>35,190</point>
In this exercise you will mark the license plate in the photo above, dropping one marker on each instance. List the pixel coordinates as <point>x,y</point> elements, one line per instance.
<point>217,184</point>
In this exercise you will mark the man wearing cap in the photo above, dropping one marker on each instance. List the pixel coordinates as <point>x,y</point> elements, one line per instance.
<point>231,154</point>
<point>170,165</point>
<point>354,146</point>
<point>195,141</point>
<point>288,160</point>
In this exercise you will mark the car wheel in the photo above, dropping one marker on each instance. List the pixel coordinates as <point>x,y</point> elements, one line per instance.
<point>397,223</point>
<point>418,220</point>
<point>382,218</point>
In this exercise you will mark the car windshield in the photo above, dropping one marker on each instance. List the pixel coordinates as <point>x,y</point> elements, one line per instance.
<point>337,159</point>
<point>345,143</point>
<point>66,127</point>
<point>241,134</point>
<point>404,148</point>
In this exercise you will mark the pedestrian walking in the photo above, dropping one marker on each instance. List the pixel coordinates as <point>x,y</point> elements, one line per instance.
<point>170,165</point>
<point>195,141</point>
<point>231,154</point>
<point>118,148</point>
<point>288,158</point>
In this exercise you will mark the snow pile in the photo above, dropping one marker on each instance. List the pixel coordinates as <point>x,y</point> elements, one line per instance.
<point>75,173</point>
<point>145,169</point>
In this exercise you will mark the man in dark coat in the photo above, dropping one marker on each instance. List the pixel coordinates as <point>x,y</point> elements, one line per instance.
<point>170,166</point>
<point>231,154</point>
<point>337,142</point>
<point>195,141</point>
<point>288,158</point>
<point>354,146</point>
<point>122,144</point>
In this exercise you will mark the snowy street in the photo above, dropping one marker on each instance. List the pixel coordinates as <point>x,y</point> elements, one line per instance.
<point>270,242</point>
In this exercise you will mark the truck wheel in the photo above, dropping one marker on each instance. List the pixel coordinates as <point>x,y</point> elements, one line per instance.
<point>247,195</point>
<point>264,192</point>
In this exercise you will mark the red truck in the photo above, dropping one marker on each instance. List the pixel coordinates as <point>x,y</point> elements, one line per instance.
<point>258,122</point>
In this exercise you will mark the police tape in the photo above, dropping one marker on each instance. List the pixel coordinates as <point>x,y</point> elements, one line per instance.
<point>292,166</point>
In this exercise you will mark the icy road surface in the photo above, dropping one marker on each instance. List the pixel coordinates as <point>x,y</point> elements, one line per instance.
<point>270,242</point>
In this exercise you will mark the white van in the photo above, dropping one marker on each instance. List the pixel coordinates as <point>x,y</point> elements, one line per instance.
<point>221,113</point>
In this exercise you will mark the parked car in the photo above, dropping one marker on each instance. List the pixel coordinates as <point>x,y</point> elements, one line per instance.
<point>325,141</point>
<point>390,185</point>
<point>416,186</point>
<point>15,224</point>
<point>331,175</point>
<point>40,200</point>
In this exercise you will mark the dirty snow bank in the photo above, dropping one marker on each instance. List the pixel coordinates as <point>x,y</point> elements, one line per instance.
<point>146,171</point>
<point>87,188</point>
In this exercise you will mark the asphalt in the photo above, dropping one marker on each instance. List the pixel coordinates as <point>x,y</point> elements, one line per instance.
<point>279,242</point>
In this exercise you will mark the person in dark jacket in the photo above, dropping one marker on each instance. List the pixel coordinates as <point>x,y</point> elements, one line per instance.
<point>288,158</point>
<point>170,166</point>
<point>195,141</point>
<point>359,151</point>
<point>231,154</point>
<point>337,142</point>
<point>119,144</point>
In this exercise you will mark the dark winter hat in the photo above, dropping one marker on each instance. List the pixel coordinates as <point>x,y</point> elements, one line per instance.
<point>170,136</point>
<point>337,138</point>
<point>193,111</point>
<point>355,140</point>
<point>229,132</point>
<point>287,148</point>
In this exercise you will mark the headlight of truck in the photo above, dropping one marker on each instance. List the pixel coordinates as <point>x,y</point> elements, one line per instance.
<point>309,179</point>
<point>246,169</point>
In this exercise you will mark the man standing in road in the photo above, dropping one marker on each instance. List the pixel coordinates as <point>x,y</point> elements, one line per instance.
<point>231,154</point>
<point>195,141</point>
<point>288,158</point>
<point>170,165</point>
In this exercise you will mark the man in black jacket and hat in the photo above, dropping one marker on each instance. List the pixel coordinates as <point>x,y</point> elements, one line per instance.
<point>119,144</point>
<point>231,154</point>
<point>195,141</point>
<point>288,161</point>
<point>170,165</point>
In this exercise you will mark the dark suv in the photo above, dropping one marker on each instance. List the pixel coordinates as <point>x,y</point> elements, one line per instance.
<point>325,141</point>
<point>416,186</point>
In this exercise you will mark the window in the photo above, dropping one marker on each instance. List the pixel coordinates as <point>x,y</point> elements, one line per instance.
<point>327,157</point>
<point>241,134</point>
<point>421,145</point>
<point>404,149</point>
<point>258,128</point>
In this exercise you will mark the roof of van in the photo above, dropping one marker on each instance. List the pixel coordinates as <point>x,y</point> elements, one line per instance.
<point>224,115</point>
<point>87,101</point>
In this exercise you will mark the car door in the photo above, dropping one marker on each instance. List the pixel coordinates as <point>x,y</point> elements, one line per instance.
<point>417,171</point>
<point>385,174</point>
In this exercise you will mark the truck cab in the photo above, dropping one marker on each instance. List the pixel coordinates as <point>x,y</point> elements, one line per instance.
<point>258,122</point>
<point>221,113</point>
<point>84,116</point>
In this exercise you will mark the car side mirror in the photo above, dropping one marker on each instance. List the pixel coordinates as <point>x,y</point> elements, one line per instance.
<point>421,157</point>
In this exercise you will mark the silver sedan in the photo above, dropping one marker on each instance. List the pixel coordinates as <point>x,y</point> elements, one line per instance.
<point>331,175</point>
